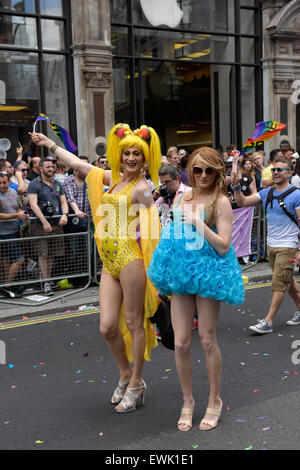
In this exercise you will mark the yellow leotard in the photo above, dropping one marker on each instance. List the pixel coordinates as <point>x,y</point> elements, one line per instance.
<point>149,232</point>
<point>119,246</point>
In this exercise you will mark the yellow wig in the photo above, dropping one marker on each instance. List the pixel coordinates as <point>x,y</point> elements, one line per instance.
<point>121,137</point>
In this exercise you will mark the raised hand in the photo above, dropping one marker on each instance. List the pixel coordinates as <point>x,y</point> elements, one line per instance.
<point>40,140</point>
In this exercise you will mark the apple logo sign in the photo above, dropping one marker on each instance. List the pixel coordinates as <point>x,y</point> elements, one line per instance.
<point>162,12</point>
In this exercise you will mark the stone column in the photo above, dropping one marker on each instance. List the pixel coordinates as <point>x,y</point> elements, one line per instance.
<point>281,62</point>
<point>92,53</point>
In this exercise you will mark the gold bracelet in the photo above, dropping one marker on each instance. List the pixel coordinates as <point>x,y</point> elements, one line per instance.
<point>53,148</point>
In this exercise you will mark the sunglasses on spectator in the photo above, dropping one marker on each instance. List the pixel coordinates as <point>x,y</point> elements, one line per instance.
<point>3,173</point>
<point>280,169</point>
<point>197,170</point>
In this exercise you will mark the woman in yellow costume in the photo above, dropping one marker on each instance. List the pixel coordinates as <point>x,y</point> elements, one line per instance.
<point>126,232</point>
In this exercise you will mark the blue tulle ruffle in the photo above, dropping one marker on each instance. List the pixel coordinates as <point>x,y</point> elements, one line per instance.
<point>184,263</point>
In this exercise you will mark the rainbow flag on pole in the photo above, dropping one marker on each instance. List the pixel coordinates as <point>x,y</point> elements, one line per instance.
<point>61,133</point>
<point>263,131</point>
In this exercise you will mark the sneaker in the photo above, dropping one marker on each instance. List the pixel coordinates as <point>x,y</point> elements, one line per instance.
<point>48,290</point>
<point>262,327</point>
<point>8,292</point>
<point>64,284</point>
<point>158,334</point>
<point>195,324</point>
<point>295,320</point>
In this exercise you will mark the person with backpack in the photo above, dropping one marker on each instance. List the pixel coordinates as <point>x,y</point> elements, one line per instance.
<point>282,206</point>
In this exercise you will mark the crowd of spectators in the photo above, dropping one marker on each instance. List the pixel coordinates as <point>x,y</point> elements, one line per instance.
<point>42,198</point>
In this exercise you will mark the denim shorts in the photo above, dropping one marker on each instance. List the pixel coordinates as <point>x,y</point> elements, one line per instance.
<point>11,250</point>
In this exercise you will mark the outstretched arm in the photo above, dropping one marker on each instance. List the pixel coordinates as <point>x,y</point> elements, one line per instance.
<point>66,157</point>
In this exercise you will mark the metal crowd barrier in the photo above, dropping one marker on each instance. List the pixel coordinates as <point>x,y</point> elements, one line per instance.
<point>75,263</point>
<point>81,260</point>
<point>258,237</point>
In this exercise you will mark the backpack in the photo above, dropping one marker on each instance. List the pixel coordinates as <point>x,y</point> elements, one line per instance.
<point>280,200</point>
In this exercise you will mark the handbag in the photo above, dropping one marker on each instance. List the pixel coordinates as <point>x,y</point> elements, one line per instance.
<point>162,318</point>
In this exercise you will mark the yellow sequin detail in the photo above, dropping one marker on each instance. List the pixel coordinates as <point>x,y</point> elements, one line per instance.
<point>119,245</point>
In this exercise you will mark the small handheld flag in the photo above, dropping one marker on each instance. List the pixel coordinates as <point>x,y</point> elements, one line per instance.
<point>62,134</point>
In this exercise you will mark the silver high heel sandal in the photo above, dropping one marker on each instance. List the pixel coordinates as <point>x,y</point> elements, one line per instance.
<point>119,392</point>
<point>129,401</point>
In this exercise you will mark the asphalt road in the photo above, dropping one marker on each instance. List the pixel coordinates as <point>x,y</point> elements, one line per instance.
<point>59,377</point>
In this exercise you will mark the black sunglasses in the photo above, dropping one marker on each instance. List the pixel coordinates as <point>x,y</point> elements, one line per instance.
<point>280,169</point>
<point>197,170</point>
<point>3,173</point>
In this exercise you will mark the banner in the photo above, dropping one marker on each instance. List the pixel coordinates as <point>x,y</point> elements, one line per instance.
<point>241,230</point>
<point>263,131</point>
<point>61,133</point>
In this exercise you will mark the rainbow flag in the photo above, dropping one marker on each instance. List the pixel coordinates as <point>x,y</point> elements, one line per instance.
<point>61,133</point>
<point>263,131</point>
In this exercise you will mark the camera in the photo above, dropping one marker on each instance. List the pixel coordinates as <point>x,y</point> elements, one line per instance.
<point>75,221</point>
<point>48,209</point>
<point>166,193</point>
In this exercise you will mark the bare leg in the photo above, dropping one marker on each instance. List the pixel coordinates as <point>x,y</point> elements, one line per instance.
<point>294,293</point>
<point>183,311</point>
<point>276,301</point>
<point>208,315</point>
<point>49,266</point>
<point>110,294</point>
<point>133,283</point>
<point>13,270</point>
<point>43,264</point>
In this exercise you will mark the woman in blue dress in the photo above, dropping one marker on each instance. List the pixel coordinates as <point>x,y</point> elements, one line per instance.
<point>195,263</point>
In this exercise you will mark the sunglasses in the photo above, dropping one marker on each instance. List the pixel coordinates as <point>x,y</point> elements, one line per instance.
<point>197,170</point>
<point>3,173</point>
<point>279,169</point>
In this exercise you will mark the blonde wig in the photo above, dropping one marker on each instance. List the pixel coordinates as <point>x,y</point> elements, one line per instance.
<point>211,158</point>
<point>121,137</point>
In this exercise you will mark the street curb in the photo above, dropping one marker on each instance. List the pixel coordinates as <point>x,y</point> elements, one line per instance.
<point>48,311</point>
<point>71,309</point>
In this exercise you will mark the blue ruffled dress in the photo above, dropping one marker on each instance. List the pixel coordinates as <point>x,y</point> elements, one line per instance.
<point>185,263</point>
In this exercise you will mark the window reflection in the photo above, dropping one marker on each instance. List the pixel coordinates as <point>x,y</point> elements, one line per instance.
<point>248,101</point>
<point>118,10</point>
<point>19,72</point>
<point>18,31</point>
<point>181,46</point>
<point>56,91</point>
<point>187,14</point>
<point>53,34</point>
<point>51,7</point>
<point>26,6</point>
<point>178,102</point>
<point>121,73</point>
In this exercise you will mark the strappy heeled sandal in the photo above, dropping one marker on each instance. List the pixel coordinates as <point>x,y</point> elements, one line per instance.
<point>209,422</point>
<point>187,420</point>
<point>129,401</point>
<point>119,392</point>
